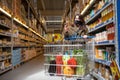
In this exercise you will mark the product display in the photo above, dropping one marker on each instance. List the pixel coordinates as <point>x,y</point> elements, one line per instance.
<point>100,21</point>
<point>107,13</point>
<point>19,41</point>
<point>105,54</point>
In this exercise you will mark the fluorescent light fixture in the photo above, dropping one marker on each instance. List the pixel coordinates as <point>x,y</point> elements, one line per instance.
<point>85,9</point>
<point>25,26</point>
<point>20,23</point>
<point>5,12</point>
<point>37,33</point>
<point>91,1</point>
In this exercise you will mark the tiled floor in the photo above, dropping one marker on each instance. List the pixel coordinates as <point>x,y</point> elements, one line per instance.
<point>32,70</point>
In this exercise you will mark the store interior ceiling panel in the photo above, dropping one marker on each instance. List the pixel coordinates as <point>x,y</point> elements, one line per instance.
<point>51,7</point>
<point>52,11</point>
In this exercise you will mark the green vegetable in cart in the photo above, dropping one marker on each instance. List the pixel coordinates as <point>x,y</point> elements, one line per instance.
<point>80,71</point>
<point>81,58</point>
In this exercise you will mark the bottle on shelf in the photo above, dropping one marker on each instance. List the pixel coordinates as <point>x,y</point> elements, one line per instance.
<point>107,13</point>
<point>110,31</point>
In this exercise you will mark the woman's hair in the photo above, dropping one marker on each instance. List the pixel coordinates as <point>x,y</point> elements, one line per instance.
<point>78,20</point>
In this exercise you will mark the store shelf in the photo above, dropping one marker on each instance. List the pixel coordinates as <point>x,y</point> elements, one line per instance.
<point>5,59</point>
<point>5,34</point>
<point>20,46</point>
<point>4,26</point>
<point>99,77</point>
<point>99,12</point>
<point>62,45</point>
<point>108,42</point>
<point>6,69</point>
<point>24,39</point>
<point>107,63</point>
<point>100,26</point>
<point>5,45</point>
<point>18,21</point>
<point>29,28</point>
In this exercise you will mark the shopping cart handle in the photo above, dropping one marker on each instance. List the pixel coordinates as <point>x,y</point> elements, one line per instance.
<point>79,37</point>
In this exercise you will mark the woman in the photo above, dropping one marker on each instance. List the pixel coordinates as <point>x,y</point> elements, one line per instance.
<point>77,29</point>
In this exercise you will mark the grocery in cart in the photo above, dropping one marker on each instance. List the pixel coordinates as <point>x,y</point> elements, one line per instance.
<point>71,59</point>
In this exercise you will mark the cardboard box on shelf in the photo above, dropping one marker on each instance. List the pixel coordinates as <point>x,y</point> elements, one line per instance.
<point>6,4</point>
<point>29,54</point>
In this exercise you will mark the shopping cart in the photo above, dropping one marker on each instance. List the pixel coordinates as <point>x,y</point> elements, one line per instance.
<point>71,59</point>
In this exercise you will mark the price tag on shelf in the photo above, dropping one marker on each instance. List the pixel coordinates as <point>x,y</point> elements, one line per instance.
<point>110,41</point>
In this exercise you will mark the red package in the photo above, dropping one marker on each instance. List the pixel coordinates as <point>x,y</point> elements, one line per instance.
<point>59,62</point>
<point>73,62</point>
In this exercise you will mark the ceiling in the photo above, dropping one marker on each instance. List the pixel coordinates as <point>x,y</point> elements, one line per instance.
<point>52,12</point>
<point>51,7</point>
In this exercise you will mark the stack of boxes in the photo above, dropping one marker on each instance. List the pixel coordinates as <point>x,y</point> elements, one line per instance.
<point>23,13</point>
<point>16,57</point>
<point>19,11</point>
<point>29,54</point>
<point>16,7</point>
<point>6,5</point>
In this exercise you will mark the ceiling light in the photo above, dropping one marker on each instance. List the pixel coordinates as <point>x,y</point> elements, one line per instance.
<point>86,8</point>
<point>5,12</point>
<point>20,22</point>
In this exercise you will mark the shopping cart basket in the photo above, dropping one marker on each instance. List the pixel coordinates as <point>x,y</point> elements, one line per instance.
<point>72,59</point>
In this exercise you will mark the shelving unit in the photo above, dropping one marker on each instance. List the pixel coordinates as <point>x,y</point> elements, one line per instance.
<point>5,42</point>
<point>103,43</point>
<point>6,69</point>
<point>107,63</point>
<point>98,76</point>
<point>99,12</point>
<point>101,24</point>
<point>21,39</point>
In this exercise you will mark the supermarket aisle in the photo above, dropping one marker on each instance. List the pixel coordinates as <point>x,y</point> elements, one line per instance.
<point>32,70</point>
